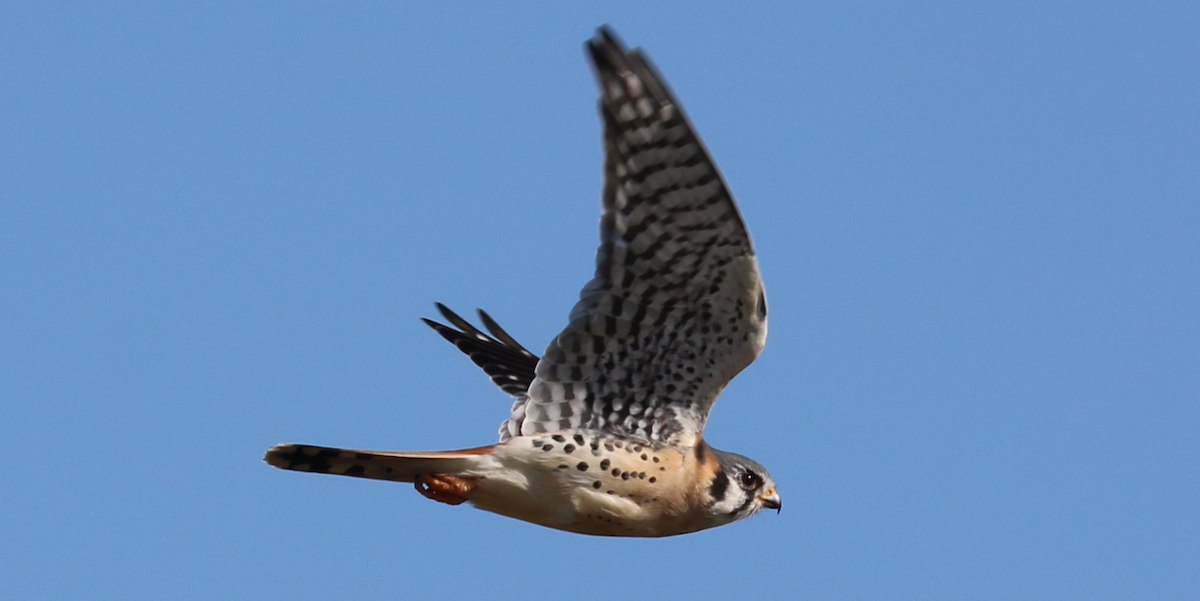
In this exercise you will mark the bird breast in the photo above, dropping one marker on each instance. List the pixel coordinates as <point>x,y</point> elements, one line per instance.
<point>593,483</point>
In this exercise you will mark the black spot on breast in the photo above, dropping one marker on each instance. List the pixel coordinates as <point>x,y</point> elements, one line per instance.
<point>582,466</point>
<point>548,447</point>
<point>558,438</point>
<point>653,479</point>
<point>579,439</point>
<point>616,472</point>
<point>596,484</point>
<point>604,464</point>
<point>569,449</point>
<point>719,484</point>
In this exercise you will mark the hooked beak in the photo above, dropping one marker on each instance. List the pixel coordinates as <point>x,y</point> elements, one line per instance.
<point>771,500</point>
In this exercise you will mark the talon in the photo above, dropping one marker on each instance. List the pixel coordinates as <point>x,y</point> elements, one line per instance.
<point>451,490</point>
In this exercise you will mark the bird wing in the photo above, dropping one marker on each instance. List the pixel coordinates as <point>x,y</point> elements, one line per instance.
<point>509,365</point>
<point>676,307</point>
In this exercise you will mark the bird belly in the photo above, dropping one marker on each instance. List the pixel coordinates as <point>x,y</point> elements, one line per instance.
<point>589,483</point>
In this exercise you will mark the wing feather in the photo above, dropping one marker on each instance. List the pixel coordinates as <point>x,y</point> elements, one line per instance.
<point>509,365</point>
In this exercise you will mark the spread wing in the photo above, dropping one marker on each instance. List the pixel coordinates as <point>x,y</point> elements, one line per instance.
<point>676,308</point>
<point>504,360</point>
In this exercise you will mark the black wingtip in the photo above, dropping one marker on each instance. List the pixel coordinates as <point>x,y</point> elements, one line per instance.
<point>609,36</point>
<point>509,365</point>
<point>605,49</point>
<point>447,332</point>
<point>502,335</point>
<point>446,312</point>
<point>610,57</point>
<point>457,321</point>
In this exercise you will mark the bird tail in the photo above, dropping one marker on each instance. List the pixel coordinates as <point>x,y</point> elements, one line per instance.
<point>379,465</point>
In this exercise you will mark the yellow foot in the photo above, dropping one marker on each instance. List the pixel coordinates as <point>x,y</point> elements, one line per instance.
<point>451,490</point>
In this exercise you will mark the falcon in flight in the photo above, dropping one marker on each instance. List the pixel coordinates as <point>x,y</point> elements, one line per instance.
<point>605,434</point>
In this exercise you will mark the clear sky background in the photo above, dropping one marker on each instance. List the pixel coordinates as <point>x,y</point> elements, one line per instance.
<point>979,229</point>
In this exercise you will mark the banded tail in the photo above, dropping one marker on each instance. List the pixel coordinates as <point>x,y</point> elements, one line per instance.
<point>396,466</point>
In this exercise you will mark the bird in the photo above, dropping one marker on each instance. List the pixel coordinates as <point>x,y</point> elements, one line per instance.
<point>605,434</point>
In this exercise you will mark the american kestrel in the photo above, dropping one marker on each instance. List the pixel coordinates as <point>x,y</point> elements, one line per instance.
<point>605,435</point>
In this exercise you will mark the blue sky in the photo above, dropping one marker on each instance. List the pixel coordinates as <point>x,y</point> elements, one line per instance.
<point>979,228</point>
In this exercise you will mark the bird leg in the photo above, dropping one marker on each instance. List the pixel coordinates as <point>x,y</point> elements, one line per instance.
<point>451,490</point>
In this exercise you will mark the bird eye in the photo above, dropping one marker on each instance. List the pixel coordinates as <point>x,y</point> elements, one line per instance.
<point>749,480</point>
